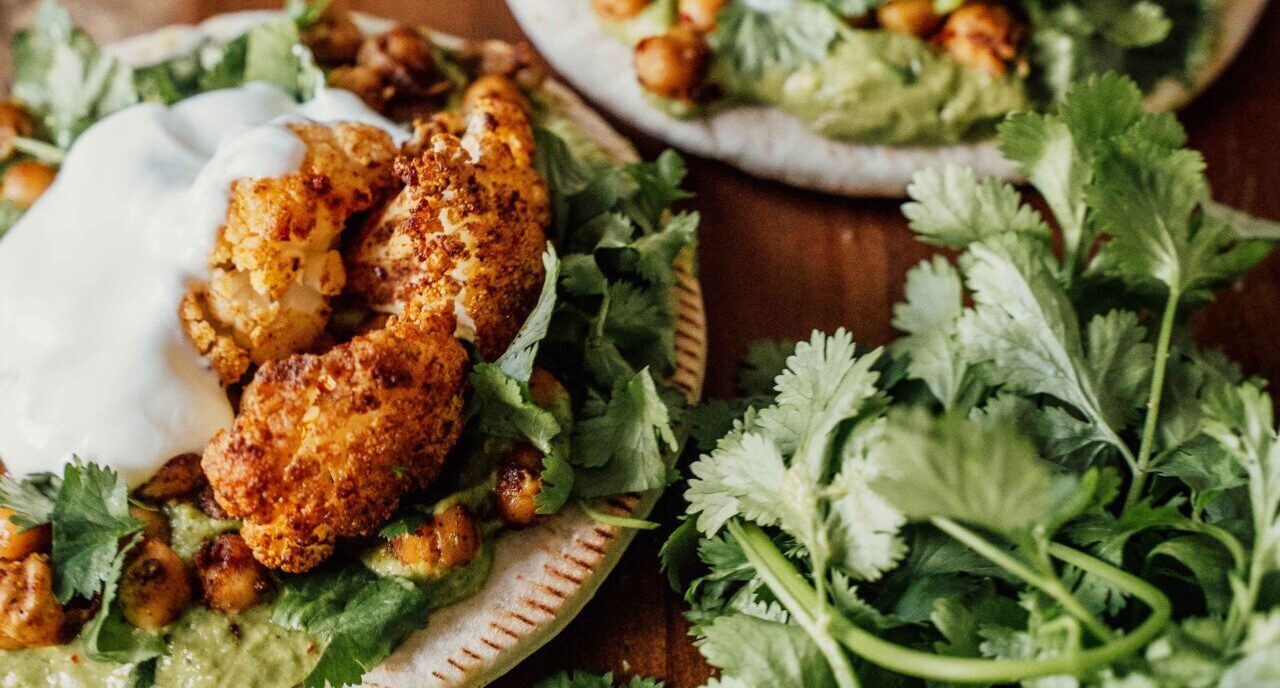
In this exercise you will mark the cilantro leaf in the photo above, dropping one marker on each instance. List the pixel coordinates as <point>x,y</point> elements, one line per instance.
<point>774,33</point>
<point>517,360</point>
<point>621,448</point>
<point>933,306</point>
<point>657,189</point>
<point>62,77</point>
<point>32,498</point>
<point>1138,24</point>
<point>1044,149</point>
<point>1023,324</point>
<point>950,468</point>
<point>950,207</point>
<point>656,253</point>
<point>89,518</point>
<point>504,408</point>
<point>760,652</point>
<point>1120,361</point>
<point>359,616</point>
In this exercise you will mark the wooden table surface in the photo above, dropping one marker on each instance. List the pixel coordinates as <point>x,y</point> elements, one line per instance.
<point>779,262</point>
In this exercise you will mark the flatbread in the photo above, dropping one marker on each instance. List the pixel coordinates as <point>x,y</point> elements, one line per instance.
<point>768,142</point>
<point>544,575</point>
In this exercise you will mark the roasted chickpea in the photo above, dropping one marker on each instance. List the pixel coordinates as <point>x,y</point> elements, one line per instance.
<point>208,504</point>
<point>400,57</point>
<point>493,86</point>
<point>25,181</point>
<point>334,39</point>
<point>982,35</point>
<point>546,390</point>
<point>447,541</point>
<point>519,482</point>
<point>16,543</point>
<point>179,477</point>
<point>30,615</point>
<point>672,65</point>
<point>154,525</point>
<point>14,122</point>
<point>362,81</point>
<point>700,14</point>
<point>232,579</point>
<point>155,587</point>
<point>618,10</point>
<point>914,17</point>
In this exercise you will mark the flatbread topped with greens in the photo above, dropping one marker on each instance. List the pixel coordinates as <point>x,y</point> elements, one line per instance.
<point>368,327</point>
<point>853,97</point>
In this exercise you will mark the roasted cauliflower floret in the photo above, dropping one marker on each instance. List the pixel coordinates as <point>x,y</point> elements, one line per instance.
<point>30,615</point>
<point>275,264</point>
<point>467,232</point>
<point>325,445</point>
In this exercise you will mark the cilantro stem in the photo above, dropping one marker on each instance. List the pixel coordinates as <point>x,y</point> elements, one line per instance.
<point>1153,398</point>
<point>798,597</point>
<point>802,612</point>
<point>1048,584</point>
<point>44,152</point>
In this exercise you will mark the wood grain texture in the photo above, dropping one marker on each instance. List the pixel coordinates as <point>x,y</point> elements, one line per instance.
<point>777,262</point>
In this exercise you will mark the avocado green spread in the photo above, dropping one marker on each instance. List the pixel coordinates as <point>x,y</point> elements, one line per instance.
<point>882,87</point>
<point>207,649</point>
<point>873,86</point>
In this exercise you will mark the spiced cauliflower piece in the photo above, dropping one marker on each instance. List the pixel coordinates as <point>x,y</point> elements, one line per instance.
<point>30,615</point>
<point>275,264</point>
<point>467,231</point>
<point>325,445</point>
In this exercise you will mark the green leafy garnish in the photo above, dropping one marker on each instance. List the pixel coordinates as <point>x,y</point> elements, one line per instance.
<point>62,77</point>
<point>621,448</point>
<point>359,617</point>
<point>89,517</point>
<point>782,34</point>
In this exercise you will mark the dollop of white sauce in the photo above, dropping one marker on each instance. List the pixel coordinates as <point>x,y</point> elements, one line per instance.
<point>93,359</point>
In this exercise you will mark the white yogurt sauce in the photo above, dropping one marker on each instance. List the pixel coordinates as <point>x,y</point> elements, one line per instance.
<point>93,359</point>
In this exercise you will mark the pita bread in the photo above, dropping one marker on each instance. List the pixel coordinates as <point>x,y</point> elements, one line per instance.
<point>768,142</point>
<point>542,576</point>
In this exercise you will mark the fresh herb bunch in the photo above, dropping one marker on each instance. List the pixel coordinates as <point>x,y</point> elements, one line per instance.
<point>1063,490</point>
<point>1148,40</point>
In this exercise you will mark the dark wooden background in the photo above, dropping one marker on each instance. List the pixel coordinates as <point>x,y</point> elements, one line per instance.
<point>779,262</point>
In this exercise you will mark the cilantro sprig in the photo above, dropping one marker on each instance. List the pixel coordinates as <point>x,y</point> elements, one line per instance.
<point>1062,487</point>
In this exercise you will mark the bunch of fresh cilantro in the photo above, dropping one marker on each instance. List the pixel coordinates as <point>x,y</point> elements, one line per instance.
<point>1069,40</point>
<point>1044,481</point>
